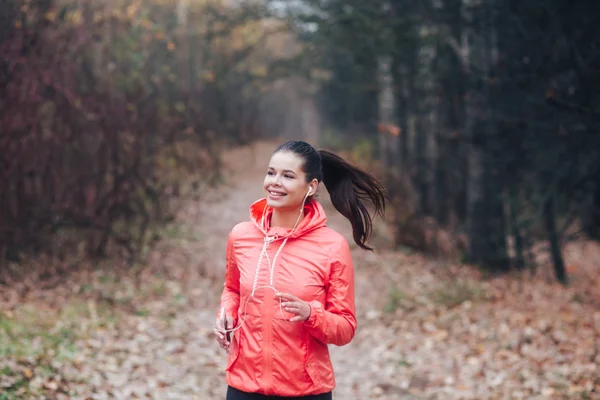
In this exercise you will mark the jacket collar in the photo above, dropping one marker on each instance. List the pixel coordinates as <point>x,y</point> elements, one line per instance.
<point>314,217</point>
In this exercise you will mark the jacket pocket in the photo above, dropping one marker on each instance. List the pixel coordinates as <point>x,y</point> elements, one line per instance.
<point>312,372</point>
<point>318,364</point>
<point>234,350</point>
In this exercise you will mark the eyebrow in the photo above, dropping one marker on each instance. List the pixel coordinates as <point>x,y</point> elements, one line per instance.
<point>285,170</point>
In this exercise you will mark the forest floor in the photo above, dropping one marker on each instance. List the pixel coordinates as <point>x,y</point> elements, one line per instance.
<point>427,329</point>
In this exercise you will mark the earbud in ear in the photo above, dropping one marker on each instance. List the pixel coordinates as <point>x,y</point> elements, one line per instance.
<point>309,192</point>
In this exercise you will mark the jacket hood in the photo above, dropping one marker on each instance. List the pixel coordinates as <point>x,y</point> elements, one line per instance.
<point>314,217</point>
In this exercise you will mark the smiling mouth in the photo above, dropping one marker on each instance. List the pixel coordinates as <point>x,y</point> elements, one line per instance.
<point>276,194</point>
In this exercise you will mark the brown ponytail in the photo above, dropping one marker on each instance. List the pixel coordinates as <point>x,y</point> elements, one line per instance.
<point>350,188</point>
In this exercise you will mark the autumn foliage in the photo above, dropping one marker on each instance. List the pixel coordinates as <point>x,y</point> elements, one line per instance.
<point>104,108</point>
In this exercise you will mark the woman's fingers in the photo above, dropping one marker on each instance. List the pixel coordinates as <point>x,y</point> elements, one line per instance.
<point>230,321</point>
<point>299,307</point>
<point>219,324</point>
<point>287,296</point>
<point>223,343</point>
<point>221,332</point>
<point>221,337</point>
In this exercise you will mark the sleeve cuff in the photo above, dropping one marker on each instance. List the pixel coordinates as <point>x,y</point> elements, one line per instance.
<point>316,309</point>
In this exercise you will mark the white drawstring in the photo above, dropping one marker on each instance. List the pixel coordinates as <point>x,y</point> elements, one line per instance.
<point>264,252</point>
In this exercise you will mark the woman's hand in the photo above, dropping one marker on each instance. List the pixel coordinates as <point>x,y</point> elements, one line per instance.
<point>222,325</point>
<point>294,305</point>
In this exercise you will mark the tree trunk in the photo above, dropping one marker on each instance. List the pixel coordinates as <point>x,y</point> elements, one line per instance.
<point>515,228</point>
<point>486,222</point>
<point>476,204</point>
<point>400,82</point>
<point>387,144</point>
<point>451,89</point>
<point>442,210</point>
<point>8,13</point>
<point>486,226</point>
<point>497,258</point>
<point>553,238</point>
<point>591,221</point>
<point>422,166</point>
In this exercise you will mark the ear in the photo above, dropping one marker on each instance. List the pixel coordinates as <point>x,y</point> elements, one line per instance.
<point>312,188</point>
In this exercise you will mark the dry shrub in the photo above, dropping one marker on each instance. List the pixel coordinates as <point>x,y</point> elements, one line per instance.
<point>421,233</point>
<point>98,133</point>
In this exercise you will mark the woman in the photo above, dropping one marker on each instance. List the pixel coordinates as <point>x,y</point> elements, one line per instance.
<point>289,281</point>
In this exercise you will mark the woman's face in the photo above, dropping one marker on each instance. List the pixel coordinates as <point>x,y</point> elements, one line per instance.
<point>285,183</point>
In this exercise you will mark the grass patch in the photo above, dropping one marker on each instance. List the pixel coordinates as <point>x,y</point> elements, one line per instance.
<point>37,338</point>
<point>159,288</point>
<point>178,232</point>
<point>142,313</point>
<point>24,335</point>
<point>31,332</point>
<point>34,338</point>
<point>404,363</point>
<point>457,292</point>
<point>394,300</point>
<point>397,299</point>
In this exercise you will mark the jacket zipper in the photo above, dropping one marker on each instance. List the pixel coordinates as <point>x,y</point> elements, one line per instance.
<point>267,355</point>
<point>267,341</point>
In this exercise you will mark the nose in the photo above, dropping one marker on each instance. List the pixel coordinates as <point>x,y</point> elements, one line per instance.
<point>273,180</point>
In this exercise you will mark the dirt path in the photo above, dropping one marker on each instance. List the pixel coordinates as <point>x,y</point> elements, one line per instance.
<point>421,334</point>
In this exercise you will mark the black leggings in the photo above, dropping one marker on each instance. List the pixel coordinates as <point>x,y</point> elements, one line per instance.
<point>234,394</point>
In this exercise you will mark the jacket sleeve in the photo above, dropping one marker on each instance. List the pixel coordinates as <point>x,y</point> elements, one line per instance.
<point>335,322</point>
<point>230,297</point>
